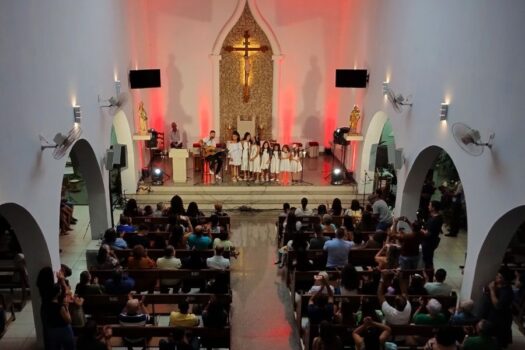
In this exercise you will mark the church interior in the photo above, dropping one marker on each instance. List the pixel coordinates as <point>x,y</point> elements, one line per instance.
<point>265,174</point>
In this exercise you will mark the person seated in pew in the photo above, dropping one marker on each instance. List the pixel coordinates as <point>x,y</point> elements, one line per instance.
<point>133,315</point>
<point>337,208</point>
<point>119,284</point>
<point>135,238</point>
<point>215,314</point>
<point>349,281</point>
<point>376,240</point>
<point>359,243</point>
<point>317,242</point>
<point>371,335</point>
<point>214,226</point>
<point>112,239</point>
<point>91,338</point>
<point>88,285</point>
<point>160,210</point>
<point>139,259</point>
<point>224,242</point>
<point>183,318</point>
<point>125,225</point>
<point>321,210</point>
<point>416,286</point>
<point>131,209</point>
<point>148,210</point>
<point>298,243</point>
<point>327,224</point>
<point>304,210</point>
<point>445,339</point>
<point>194,213</point>
<point>198,239</point>
<point>318,285</point>
<point>367,309</point>
<point>370,283</point>
<point>367,222</point>
<point>106,258</point>
<point>484,340</point>
<point>398,313</point>
<point>176,237</point>
<point>157,241</point>
<point>433,317</point>
<point>169,262</point>
<point>338,249</point>
<point>194,262</point>
<point>218,285</point>
<point>321,305</point>
<point>327,338</point>
<point>464,315</point>
<point>218,210</point>
<point>178,340</point>
<point>218,261</point>
<point>439,287</point>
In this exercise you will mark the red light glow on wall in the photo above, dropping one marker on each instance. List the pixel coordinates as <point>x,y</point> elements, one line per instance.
<point>204,115</point>
<point>286,121</point>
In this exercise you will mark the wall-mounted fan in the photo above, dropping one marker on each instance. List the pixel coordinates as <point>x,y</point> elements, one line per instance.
<point>470,139</point>
<point>61,142</point>
<point>113,103</point>
<point>396,100</point>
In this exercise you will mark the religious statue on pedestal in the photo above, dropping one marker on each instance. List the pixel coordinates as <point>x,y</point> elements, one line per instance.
<point>143,120</point>
<point>354,119</point>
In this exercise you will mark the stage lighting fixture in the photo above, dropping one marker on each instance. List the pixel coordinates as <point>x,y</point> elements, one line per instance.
<point>157,177</point>
<point>339,136</point>
<point>337,176</point>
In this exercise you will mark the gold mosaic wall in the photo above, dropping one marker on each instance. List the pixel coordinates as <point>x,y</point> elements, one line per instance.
<point>232,78</point>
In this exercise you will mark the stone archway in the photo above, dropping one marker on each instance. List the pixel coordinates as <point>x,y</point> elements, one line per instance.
<point>372,136</point>
<point>35,249</point>
<point>85,161</point>
<point>123,134</point>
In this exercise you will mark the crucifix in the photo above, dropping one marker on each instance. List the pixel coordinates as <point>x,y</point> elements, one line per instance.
<point>246,48</point>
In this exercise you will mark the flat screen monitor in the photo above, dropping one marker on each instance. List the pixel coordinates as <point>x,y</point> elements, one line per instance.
<point>144,78</point>
<point>351,78</point>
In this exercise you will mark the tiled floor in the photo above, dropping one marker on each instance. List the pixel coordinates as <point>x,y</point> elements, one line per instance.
<point>261,314</point>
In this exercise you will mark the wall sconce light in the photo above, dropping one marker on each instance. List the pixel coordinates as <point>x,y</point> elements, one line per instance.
<point>443,114</point>
<point>77,116</point>
<point>386,87</point>
<point>117,86</point>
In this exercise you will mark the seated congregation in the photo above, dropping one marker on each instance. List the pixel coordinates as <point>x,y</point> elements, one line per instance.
<point>360,278</point>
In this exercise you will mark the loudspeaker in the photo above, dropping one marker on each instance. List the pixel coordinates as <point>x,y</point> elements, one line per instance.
<point>109,159</point>
<point>398,160</point>
<point>351,78</point>
<point>144,78</point>
<point>373,157</point>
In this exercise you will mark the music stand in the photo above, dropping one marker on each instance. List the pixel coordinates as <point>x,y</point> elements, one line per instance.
<point>302,155</point>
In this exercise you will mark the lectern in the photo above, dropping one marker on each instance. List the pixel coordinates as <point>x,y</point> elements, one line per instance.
<point>178,161</point>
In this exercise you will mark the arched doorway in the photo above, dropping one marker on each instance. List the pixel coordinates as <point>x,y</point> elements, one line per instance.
<point>85,163</point>
<point>433,176</point>
<point>377,153</point>
<point>485,259</point>
<point>34,245</point>
<point>122,132</point>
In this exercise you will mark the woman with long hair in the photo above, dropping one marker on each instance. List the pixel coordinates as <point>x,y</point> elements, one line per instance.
<point>177,206</point>
<point>235,154</point>
<point>337,208</point>
<point>245,159</point>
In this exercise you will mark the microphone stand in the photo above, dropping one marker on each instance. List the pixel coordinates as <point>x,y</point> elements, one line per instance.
<point>366,179</point>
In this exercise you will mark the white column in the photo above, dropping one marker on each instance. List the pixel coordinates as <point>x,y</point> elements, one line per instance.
<point>216,60</point>
<point>275,93</point>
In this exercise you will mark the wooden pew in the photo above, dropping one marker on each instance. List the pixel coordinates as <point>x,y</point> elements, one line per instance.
<point>154,222</point>
<point>350,304</point>
<point>105,308</point>
<point>146,279</point>
<point>12,278</point>
<point>356,257</point>
<point>9,314</point>
<point>154,254</point>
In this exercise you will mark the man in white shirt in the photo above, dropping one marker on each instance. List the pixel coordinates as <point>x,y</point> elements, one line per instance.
<point>439,287</point>
<point>169,262</point>
<point>218,262</point>
<point>175,138</point>
<point>399,313</point>
<point>214,159</point>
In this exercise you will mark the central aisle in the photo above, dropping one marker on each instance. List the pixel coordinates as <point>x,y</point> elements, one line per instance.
<point>262,316</point>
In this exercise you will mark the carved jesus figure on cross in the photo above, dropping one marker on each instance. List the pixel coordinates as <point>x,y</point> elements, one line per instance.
<point>247,65</point>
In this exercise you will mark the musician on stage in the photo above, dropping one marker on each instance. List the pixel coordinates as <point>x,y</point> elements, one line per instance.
<point>175,137</point>
<point>212,155</point>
